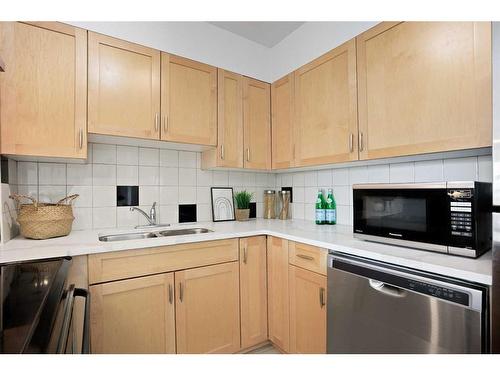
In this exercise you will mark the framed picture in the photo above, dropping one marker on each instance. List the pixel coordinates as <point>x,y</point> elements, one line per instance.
<point>222,204</point>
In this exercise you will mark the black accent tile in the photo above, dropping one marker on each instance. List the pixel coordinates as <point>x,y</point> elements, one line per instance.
<point>4,165</point>
<point>187,213</point>
<point>127,195</point>
<point>289,188</point>
<point>253,210</point>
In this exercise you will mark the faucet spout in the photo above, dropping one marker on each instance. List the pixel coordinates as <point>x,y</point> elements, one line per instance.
<point>151,220</point>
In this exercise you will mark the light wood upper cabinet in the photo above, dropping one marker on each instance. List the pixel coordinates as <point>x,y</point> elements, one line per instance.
<point>188,101</point>
<point>256,124</point>
<point>307,311</point>
<point>133,316</point>
<point>229,151</point>
<point>326,125</point>
<point>207,309</point>
<point>424,87</point>
<point>124,88</point>
<point>282,111</point>
<point>43,89</point>
<point>278,297</point>
<point>253,291</point>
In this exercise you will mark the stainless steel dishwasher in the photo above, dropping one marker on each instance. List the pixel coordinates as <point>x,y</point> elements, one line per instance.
<point>375,307</point>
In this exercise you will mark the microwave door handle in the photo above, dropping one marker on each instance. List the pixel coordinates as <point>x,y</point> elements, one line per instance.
<point>79,292</point>
<point>66,323</point>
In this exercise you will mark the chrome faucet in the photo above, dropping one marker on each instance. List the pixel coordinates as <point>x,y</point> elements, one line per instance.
<point>151,218</point>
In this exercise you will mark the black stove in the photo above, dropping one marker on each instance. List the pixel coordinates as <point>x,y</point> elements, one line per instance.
<point>31,296</point>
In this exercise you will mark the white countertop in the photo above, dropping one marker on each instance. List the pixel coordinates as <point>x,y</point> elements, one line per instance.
<point>338,238</point>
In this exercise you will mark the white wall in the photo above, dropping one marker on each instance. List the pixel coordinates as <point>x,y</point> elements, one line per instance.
<point>199,41</point>
<point>308,42</point>
<point>207,43</point>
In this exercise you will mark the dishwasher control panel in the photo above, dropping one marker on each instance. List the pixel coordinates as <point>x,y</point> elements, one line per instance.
<point>439,292</point>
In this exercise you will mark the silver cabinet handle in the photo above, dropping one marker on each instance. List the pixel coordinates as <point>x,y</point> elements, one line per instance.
<point>248,154</point>
<point>165,123</point>
<point>306,257</point>
<point>170,294</point>
<point>321,297</point>
<point>157,120</point>
<point>245,254</point>
<point>361,146</point>
<point>351,142</point>
<point>222,151</point>
<point>181,292</point>
<point>81,138</point>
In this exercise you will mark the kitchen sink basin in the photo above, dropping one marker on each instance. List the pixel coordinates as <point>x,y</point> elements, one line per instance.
<point>144,235</point>
<point>181,232</point>
<point>126,236</point>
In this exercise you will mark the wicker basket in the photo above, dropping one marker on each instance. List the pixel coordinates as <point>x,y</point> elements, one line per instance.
<point>40,221</point>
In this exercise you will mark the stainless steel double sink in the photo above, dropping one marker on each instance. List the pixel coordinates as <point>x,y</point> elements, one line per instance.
<point>152,234</point>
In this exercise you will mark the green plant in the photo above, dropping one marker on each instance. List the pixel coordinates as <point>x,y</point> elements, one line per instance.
<point>243,199</point>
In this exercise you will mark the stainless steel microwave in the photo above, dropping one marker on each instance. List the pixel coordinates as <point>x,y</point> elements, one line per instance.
<point>447,217</point>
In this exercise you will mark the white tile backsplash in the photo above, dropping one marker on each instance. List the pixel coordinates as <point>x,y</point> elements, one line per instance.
<point>27,173</point>
<point>103,154</point>
<point>172,177</point>
<point>104,174</point>
<point>127,155</point>
<point>79,174</point>
<point>402,172</point>
<point>460,169</point>
<point>51,174</point>
<point>429,171</point>
<point>149,157</point>
<point>127,175</point>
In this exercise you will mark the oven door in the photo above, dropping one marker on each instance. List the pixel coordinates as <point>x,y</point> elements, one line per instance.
<point>415,215</point>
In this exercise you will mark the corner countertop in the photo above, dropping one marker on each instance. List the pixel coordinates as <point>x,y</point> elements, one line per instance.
<point>338,238</point>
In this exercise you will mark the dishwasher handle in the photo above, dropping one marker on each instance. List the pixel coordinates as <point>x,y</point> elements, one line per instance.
<point>387,289</point>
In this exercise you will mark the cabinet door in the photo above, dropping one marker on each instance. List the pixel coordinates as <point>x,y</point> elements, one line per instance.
<point>43,90</point>
<point>282,109</point>
<point>207,309</point>
<point>189,101</point>
<point>278,297</point>
<point>133,316</point>
<point>253,290</point>
<point>124,88</point>
<point>307,311</point>
<point>424,87</point>
<point>257,124</point>
<point>326,108</point>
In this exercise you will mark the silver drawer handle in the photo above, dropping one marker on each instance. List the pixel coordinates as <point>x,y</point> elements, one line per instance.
<point>81,138</point>
<point>306,257</point>
<point>245,255</point>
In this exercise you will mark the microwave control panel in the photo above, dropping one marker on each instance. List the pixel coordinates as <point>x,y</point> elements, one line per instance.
<point>461,223</point>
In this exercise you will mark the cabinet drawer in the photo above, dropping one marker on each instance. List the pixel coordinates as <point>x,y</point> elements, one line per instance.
<point>133,263</point>
<point>311,258</point>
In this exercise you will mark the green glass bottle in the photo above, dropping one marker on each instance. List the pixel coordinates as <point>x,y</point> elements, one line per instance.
<point>331,209</point>
<point>320,208</point>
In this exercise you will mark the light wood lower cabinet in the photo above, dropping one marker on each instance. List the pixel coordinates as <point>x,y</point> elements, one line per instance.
<point>253,291</point>
<point>133,316</point>
<point>277,292</point>
<point>207,309</point>
<point>307,311</point>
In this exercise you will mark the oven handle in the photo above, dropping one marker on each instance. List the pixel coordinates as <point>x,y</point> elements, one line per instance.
<point>79,292</point>
<point>66,324</point>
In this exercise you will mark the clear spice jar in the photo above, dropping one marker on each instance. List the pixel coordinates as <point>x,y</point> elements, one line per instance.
<point>269,204</point>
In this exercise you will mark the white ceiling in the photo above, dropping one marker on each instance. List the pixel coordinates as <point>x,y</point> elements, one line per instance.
<point>267,34</point>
